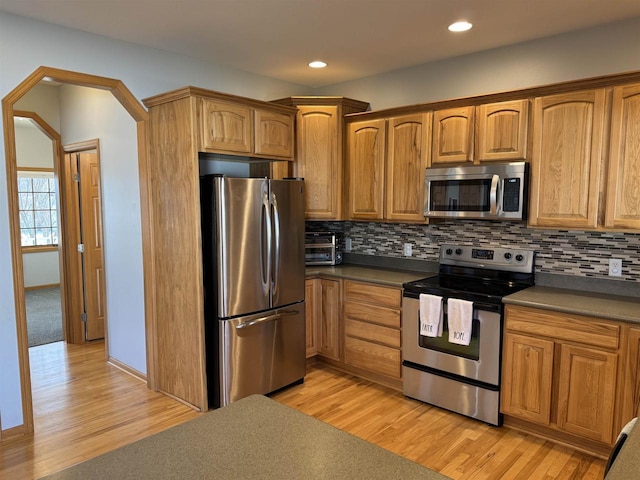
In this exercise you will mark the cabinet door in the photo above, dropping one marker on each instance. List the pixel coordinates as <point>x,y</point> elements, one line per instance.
<point>586,392</point>
<point>453,135</point>
<point>526,378</point>
<point>502,130</point>
<point>311,315</point>
<point>630,404</point>
<point>623,189</point>
<point>226,127</point>
<point>329,345</point>
<point>273,134</point>
<point>407,158</point>
<point>566,159</point>
<point>367,146</point>
<point>319,161</point>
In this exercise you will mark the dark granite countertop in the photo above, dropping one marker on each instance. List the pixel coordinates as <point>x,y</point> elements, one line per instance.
<point>378,275</point>
<point>254,438</point>
<point>601,305</point>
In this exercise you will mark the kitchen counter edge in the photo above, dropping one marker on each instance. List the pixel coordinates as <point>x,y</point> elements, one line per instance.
<point>601,305</point>
<point>376,275</point>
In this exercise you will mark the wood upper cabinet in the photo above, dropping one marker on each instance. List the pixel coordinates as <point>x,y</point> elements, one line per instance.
<point>566,160</point>
<point>407,158</point>
<point>526,378</point>
<point>366,155</point>
<point>561,371</point>
<point>387,176</point>
<point>226,126</point>
<point>453,135</point>
<point>502,131</point>
<point>623,188</point>
<point>274,135</point>
<point>234,125</point>
<point>320,151</point>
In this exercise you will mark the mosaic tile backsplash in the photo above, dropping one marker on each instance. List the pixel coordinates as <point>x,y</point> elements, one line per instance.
<point>562,252</point>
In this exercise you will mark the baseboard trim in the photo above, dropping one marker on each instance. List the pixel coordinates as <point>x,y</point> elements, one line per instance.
<point>41,287</point>
<point>127,369</point>
<point>12,433</point>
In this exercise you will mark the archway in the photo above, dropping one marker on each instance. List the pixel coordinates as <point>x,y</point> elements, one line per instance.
<point>140,116</point>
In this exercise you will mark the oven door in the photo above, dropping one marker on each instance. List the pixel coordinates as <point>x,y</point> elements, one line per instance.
<point>479,361</point>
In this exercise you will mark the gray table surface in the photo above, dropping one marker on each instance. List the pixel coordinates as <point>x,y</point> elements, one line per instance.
<point>254,438</point>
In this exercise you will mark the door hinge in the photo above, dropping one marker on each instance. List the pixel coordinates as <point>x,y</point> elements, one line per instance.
<point>81,247</point>
<point>76,177</point>
<point>83,317</point>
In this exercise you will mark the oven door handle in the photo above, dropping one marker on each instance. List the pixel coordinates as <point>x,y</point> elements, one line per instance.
<point>493,194</point>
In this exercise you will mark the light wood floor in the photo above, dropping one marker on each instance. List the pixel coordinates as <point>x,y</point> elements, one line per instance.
<point>84,407</point>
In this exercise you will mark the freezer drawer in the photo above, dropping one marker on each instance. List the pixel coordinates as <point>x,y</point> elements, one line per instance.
<point>261,353</point>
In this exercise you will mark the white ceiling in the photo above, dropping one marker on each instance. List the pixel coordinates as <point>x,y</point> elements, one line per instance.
<point>357,38</point>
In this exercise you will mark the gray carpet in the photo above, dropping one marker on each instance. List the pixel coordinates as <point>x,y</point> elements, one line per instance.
<point>44,316</point>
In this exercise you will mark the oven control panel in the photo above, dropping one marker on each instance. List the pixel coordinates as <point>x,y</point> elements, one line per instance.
<point>508,259</point>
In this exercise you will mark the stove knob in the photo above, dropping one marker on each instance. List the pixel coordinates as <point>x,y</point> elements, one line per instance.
<point>449,251</point>
<point>458,251</point>
<point>519,258</point>
<point>507,256</point>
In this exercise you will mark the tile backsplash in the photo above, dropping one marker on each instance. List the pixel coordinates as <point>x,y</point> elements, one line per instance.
<point>563,252</point>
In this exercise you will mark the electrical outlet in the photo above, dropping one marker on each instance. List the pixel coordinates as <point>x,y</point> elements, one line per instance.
<point>615,267</point>
<point>408,249</point>
<point>347,244</point>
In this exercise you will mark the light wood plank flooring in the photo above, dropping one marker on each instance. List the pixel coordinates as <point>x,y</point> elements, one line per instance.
<point>84,407</point>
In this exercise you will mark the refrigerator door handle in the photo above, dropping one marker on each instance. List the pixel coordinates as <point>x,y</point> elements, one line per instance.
<point>266,275</point>
<point>268,318</point>
<point>276,260</point>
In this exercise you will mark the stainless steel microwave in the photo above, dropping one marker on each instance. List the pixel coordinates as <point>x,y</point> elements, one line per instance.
<point>494,191</point>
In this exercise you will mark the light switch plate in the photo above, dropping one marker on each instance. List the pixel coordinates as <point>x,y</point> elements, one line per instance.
<point>408,249</point>
<point>347,244</point>
<point>615,267</point>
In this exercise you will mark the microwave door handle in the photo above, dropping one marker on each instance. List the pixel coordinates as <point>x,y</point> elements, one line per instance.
<point>493,194</point>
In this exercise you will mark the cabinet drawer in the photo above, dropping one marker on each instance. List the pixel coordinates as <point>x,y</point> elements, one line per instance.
<point>367,313</point>
<point>372,357</point>
<point>372,294</point>
<point>374,333</point>
<point>562,326</point>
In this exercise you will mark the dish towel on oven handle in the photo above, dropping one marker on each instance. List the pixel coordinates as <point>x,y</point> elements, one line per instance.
<point>459,316</point>
<point>430,315</point>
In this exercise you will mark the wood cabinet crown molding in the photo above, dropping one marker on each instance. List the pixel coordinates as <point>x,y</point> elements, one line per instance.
<point>477,100</point>
<point>356,105</point>
<point>186,92</point>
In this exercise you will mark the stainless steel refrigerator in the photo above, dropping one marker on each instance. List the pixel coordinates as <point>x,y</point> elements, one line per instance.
<point>253,254</point>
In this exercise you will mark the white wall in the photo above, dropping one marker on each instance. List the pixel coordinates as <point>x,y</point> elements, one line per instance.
<point>41,268</point>
<point>88,113</point>
<point>24,46</point>
<point>612,48</point>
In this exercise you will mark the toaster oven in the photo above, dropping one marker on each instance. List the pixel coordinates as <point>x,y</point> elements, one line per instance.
<point>322,248</point>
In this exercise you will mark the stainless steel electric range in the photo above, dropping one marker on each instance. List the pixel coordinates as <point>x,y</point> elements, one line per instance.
<point>462,378</point>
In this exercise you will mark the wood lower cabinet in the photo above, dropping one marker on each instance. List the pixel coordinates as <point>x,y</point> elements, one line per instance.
<point>311,313</point>
<point>329,318</point>
<point>623,188</point>
<point>372,328</point>
<point>630,404</point>
<point>526,377</point>
<point>561,371</point>
<point>566,161</point>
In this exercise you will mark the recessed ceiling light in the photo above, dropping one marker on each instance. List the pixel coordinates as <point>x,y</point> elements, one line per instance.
<point>460,26</point>
<point>317,64</point>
